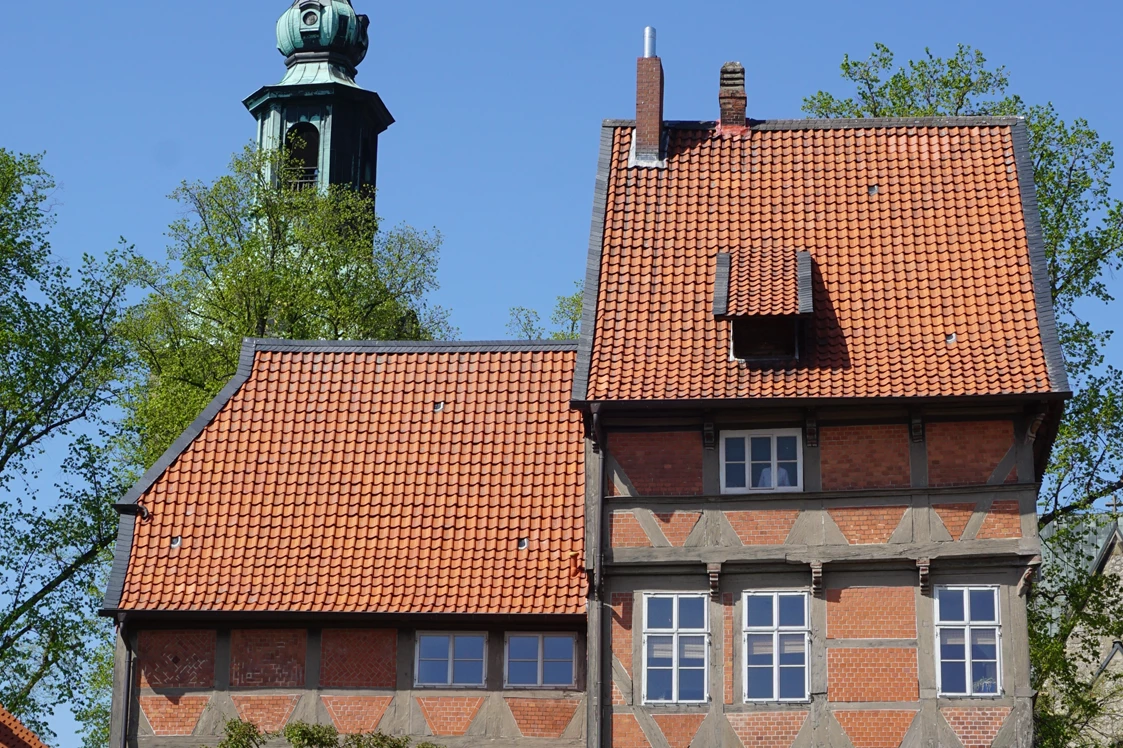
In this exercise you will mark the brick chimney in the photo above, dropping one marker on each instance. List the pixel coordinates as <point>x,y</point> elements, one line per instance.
<point>649,102</point>
<point>732,96</point>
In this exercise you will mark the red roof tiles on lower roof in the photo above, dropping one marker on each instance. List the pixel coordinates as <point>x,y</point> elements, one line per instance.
<point>13,734</point>
<point>332,482</point>
<point>938,249</point>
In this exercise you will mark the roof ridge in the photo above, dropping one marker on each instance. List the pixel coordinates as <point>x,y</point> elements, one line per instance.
<point>839,123</point>
<point>411,346</point>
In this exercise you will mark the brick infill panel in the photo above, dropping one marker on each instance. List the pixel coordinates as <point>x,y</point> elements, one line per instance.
<point>352,715</point>
<point>866,525</point>
<point>763,526</point>
<point>955,517</point>
<point>1004,520</point>
<point>268,658</point>
<point>679,729</point>
<point>626,732</point>
<point>542,718</point>
<point>359,658</point>
<point>449,716</point>
<point>767,729</point>
<point>876,728</point>
<point>677,526</point>
<point>976,727</point>
<point>966,453</point>
<point>176,659</point>
<point>660,463</point>
<point>269,713</point>
<point>625,531</point>
<point>871,613</point>
<point>865,457</point>
<point>872,674</point>
<point>622,603</point>
<point>172,716</point>
<point>728,601</point>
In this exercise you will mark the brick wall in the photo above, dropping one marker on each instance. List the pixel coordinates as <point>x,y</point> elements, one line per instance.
<point>876,728</point>
<point>359,658</point>
<point>728,610</point>
<point>872,674</point>
<point>976,727</point>
<point>173,715</point>
<point>626,732</point>
<point>269,713</point>
<point>955,517</point>
<point>622,603</point>
<point>865,525</point>
<point>763,526</point>
<point>542,718</point>
<point>677,526</point>
<point>871,613</point>
<point>449,716</point>
<point>767,729</point>
<point>269,658</point>
<point>176,659</point>
<point>352,715</point>
<point>625,531</point>
<point>679,729</point>
<point>1004,520</point>
<point>662,463</point>
<point>855,457</point>
<point>965,453</point>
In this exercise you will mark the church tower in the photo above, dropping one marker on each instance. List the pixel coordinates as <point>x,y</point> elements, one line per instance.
<point>332,123</point>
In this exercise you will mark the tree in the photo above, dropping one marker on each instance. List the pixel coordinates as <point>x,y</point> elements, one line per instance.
<point>255,256</point>
<point>60,366</point>
<point>1083,231</point>
<point>525,324</point>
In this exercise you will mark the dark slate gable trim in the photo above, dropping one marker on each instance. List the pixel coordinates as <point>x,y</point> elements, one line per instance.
<point>839,123</point>
<point>592,267</point>
<point>806,299</point>
<point>721,285</point>
<point>1042,288</point>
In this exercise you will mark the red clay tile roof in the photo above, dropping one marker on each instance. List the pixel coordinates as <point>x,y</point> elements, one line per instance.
<point>763,281</point>
<point>332,481</point>
<point>938,249</point>
<point>14,735</point>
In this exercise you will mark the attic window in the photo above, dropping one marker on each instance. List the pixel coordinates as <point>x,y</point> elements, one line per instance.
<point>773,338</point>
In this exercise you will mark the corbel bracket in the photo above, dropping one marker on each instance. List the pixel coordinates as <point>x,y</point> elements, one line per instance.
<point>1029,576</point>
<point>714,572</point>
<point>1034,427</point>
<point>593,428</point>
<point>811,430</point>
<point>709,436</point>
<point>916,428</point>
<point>133,510</point>
<point>816,578</point>
<point>924,567</point>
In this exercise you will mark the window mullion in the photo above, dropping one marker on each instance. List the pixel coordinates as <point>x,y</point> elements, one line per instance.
<point>967,659</point>
<point>776,659</point>
<point>451,649</point>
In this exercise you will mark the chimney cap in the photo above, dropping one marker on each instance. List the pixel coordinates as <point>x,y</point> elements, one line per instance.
<point>733,75</point>
<point>649,42</point>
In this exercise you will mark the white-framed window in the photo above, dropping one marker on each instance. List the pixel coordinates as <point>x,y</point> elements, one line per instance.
<point>758,461</point>
<point>776,644</point>
<point>968,641</point>
<point>451,659</point>
<point>540,660</point>
<point>676,644</point>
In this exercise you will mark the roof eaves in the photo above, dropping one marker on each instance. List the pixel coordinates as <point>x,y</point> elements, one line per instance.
<point>126,522</point>
<point>1042,288</point>
<point>592,267</point>
<point>721,285</point>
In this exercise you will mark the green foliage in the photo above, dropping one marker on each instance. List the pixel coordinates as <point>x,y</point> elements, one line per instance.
<point>525,323</point>
<point>239,734</point>
<point>304,735</point>
<point>94,701</point>
<point>258,257</point>
<point>381,740</point>
<point>1073,613</point>
<point>60,363</point>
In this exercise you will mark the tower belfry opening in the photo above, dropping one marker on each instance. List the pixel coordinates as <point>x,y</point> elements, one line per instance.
<point>303,142</point>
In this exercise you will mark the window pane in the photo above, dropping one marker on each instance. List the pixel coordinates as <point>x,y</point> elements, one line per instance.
<point>469,648</point>
<point>660,612</point>
<point>759,610</point>
<point>951,604</point>
<point>787,474</point>
<point>659,685</point>
<point>982,606</point>
<point>786,447</point>
<point>558,647</point>
<point>691,613</point>
<point>953,644</point>
<point>692,651</point>
<point>735,449</point>
<point>984,644</point>
<point>760,683</point>
<point>735,475</point>
<point>468,672</point>
<point>522,673</point>
<point>984,677</point>
<point>660,651</point>
<point>759,650</point>
<point>557,673</point>
<point>762,448</point>
<point>762,475</point>
<point>792,650</point>
<point>953,677</point>
<point>434,647</point>
<point>522,648</point>
<point>691,685</point>
<point>433,672</point>
<point>792,610</point>
<point>792,683</point>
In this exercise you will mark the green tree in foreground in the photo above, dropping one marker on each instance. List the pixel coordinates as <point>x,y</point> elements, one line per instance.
<point>60,364</point>
<point>525,323</point>
<point>1070,611</point>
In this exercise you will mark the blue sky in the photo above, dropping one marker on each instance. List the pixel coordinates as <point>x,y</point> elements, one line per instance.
<point>497,104</point>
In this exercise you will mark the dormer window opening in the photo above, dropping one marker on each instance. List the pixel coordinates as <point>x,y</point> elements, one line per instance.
<point>767,339</point>
<point>303,143</point>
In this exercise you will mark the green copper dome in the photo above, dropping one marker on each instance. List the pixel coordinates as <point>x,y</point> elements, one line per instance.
<point>328,29</point>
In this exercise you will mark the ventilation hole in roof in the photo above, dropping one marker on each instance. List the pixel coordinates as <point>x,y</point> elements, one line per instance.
<point>874,189</point>
<point>952,338</point>
<point>524,543</point>
<point>438,407</point>
<point>177,541</point>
